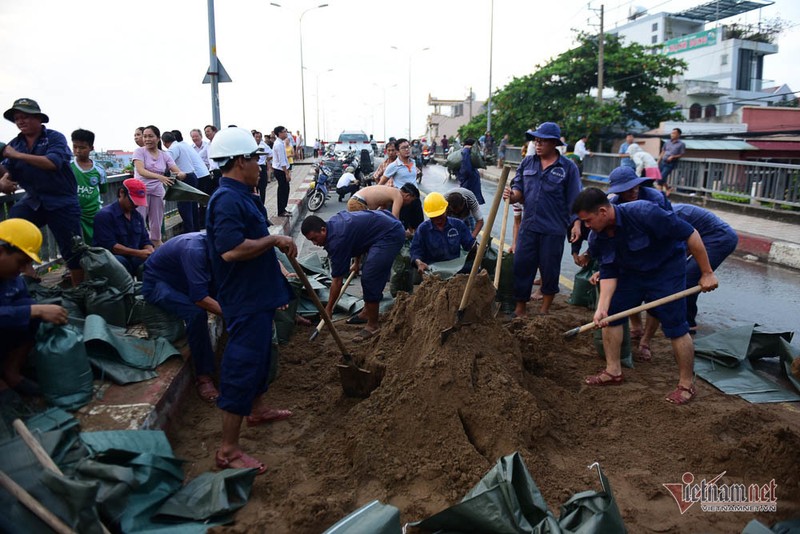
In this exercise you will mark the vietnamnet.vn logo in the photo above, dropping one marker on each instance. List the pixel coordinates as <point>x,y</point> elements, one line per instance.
<point>716,497</point>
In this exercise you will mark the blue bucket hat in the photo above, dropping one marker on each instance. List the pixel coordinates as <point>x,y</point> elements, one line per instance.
<point>624,179</point>
<point>546,130</point>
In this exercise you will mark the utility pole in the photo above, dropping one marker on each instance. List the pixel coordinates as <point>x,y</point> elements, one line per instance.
<point>491,43</point>
<point>216,72</point>
<point>600,58</point>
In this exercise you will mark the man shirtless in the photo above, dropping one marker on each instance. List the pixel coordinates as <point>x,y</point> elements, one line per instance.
<point>382,197</point>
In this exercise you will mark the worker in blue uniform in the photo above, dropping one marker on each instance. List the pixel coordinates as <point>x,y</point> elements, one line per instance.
<point>440,238</point>
<point>250,287</point>
<point>642,253</point>
<point>20,316</point>
<point>38,161</point>
<point>720,241</point>
<point>546,184</point>
<point>177,278</point>
<point>468,176</point>
<point>350,235</point>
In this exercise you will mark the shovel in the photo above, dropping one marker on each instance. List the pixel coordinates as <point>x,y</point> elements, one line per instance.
<point>356,382</point>
<point>500,251</point>
<point>644,307</point>
<point>321,324</point>
<point>476,264</point>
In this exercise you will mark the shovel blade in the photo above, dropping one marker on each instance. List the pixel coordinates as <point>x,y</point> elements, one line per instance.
<point>358,383</point>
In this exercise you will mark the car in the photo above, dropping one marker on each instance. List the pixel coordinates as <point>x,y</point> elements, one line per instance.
<point>357,141</point>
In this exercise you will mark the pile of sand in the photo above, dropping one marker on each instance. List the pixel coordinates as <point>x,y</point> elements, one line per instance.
<point>445,413</point>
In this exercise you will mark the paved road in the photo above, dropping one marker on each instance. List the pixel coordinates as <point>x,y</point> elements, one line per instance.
<point>748,293</point>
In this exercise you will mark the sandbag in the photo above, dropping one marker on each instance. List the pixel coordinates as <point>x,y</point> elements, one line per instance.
<point>159,322</point>
<point>454,160</point>
<point>505,291</point>
<point>583,292</point>
<point>285,319</point>
<point>625,354</point>
<point>400,279</point>
<point>62,366</point>
<point>98,262</point>
<point>110,304</point>
<point>183,192</point>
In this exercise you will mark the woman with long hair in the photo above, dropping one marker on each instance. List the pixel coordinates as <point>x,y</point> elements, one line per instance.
<point>150,165</point>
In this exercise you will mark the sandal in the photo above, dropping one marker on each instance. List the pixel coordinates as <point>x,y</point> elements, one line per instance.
<point>678,397</point>
<point>643,354</point>
<point>355,319</point>
<point>268,416</point>
<point>363,335</point>
<point>299,320</point>
<point>537,295</point>
<point>604,378</point>
<point>206,389</point>
<point>242,461</point>
<point>636,334</point>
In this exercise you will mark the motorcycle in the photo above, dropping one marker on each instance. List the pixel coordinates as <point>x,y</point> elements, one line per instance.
<point>427,156</point>
<point>317,192</point>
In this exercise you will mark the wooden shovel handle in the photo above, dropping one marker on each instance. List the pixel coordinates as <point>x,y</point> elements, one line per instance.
<point>499,264</point>
<point>485,238</point>
<point>637,309</point>
<point>315,299</point>
<point>344,288</point>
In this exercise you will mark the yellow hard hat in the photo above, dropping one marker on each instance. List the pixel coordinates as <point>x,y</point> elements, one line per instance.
<point>23,235</point>
<point>434,205</point>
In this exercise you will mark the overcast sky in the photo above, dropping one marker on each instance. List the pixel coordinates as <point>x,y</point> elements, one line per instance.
<point>111,65</point>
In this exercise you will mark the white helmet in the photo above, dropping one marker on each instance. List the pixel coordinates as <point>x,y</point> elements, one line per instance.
<point>231,142</point>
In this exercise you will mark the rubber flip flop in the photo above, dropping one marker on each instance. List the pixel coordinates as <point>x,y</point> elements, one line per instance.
<point>241,461</point>
<point>643,354</point>
<point>355,319</point>
<point>269,415</point>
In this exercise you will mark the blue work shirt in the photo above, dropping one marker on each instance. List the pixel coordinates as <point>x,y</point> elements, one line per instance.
<point>351,234</point>
<point>431,244</point>
<point>645,237</point>
<point>248,286</point>
<point>183,264</point>
<point>548,194</point>
<point>49,189</point>
<point>112,227</point>
<point>15,303</point>
<point>401,173</point>
<point>468,176</point>
<point>651,194</point>
<point>711,228</point>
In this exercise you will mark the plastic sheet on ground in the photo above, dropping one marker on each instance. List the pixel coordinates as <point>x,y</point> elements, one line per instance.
<point>372,518</point>
<point>725,359</point>
<point>791,526</point>
<point>210,495</point>
<point>507,501</point>
<point>122,358</point>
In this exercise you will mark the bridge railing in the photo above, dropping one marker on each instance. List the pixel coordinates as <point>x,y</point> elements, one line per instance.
<point>49,252</point>
<point>767,184</point>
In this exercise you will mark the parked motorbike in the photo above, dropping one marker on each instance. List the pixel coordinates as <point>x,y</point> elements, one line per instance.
<point>427,155</point>
<point>317,192</point>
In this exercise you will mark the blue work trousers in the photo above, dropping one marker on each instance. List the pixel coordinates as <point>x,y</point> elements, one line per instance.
<point>246,362</point>
<point>537,251</point>
<point>165,296</point>
<point>378,266</point>
<point>717,251</point>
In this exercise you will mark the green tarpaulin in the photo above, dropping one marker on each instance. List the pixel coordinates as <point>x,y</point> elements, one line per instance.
<point>180,191</point>
<point>507,501</point>
<point>726,360</point>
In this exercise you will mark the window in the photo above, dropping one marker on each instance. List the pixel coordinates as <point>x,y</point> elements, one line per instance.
<point>655,26</point>
<point>458,110</point>
<point>695,111</point>
<point>723,59</point>
<point>711,111</point>
<point>654,39</point>
<point>751,67</point>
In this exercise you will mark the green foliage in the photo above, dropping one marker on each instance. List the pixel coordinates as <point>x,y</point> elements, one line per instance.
<point>559,91</point>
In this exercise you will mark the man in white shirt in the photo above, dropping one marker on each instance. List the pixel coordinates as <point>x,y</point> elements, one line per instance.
<point>580,147</point>
<point>280,166</point>
<point>200,146</point>
<point>348,183</point>
<point>264,164</point>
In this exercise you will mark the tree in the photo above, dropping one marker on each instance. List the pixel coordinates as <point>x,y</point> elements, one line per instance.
<point>559,91</point>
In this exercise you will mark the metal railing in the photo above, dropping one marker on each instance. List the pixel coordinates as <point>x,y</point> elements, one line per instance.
<point>49,252</point>
<point>767,184</point>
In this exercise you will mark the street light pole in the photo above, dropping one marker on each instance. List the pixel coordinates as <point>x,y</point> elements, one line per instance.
<point>491,43</point>
<point>302,66</point>
<point>410,55</point>
<point>317,75</point>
